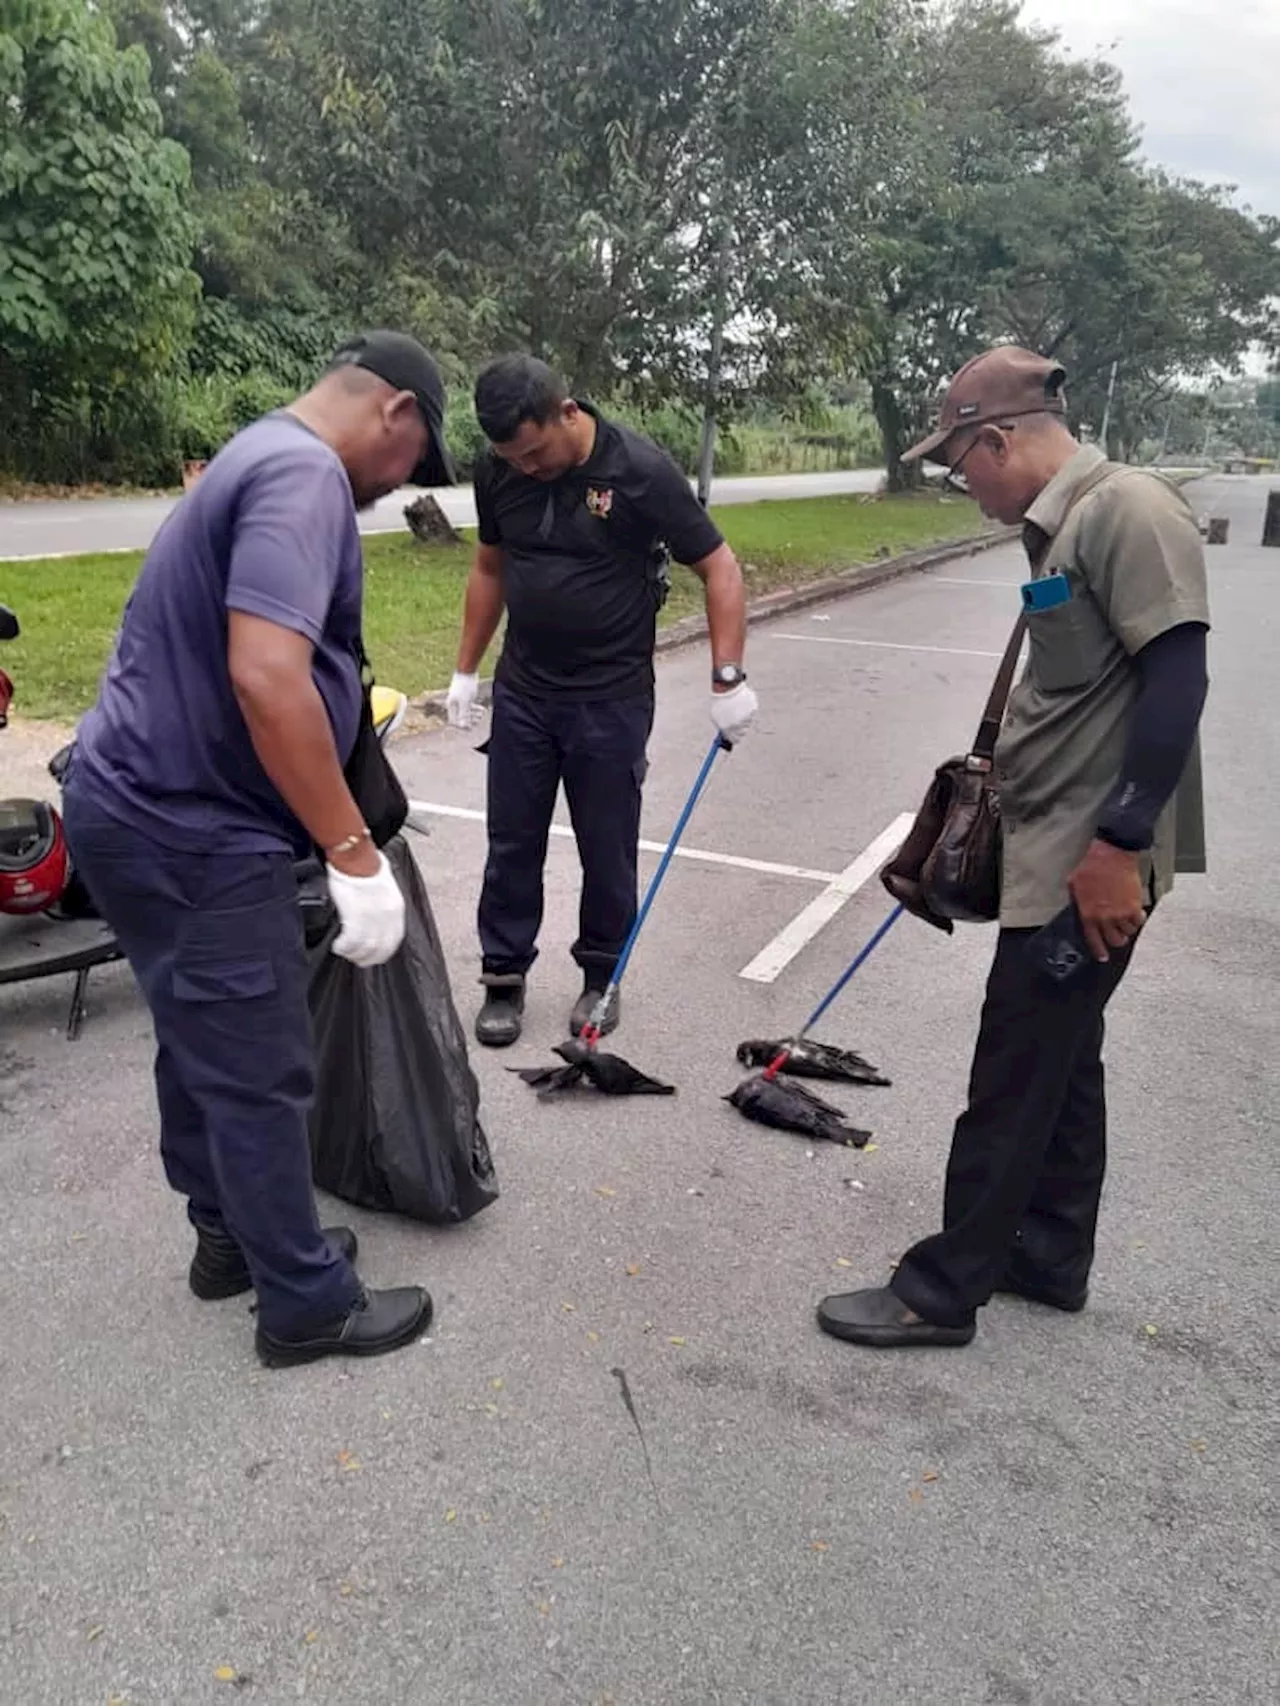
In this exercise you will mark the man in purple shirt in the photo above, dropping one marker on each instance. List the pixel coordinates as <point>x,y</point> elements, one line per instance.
<point>214,758</point>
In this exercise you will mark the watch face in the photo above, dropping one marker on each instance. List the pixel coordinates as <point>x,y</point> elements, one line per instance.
<point>729,674</point>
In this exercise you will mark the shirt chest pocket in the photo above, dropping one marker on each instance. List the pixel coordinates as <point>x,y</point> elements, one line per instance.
<point>1067,644</point>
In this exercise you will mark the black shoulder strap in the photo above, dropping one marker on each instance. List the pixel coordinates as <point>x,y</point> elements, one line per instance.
<point>984,744</point>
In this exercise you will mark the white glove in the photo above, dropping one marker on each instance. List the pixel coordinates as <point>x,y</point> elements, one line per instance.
<point>734,712</point>
<point>371,912</point>
<point>464,691</point>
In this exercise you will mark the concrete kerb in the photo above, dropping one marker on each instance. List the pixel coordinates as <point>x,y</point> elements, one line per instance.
<point>859,577</point>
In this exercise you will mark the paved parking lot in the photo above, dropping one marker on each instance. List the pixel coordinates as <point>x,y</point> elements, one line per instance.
<point>1070,1512</point>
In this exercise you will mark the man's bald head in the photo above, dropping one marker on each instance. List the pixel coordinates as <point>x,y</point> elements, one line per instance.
<point>380,404</point>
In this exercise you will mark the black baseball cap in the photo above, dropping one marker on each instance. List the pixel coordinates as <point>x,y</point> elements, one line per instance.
<point>402,362</point>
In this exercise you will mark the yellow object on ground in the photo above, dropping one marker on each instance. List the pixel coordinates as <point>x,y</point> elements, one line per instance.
<point>388,705</point>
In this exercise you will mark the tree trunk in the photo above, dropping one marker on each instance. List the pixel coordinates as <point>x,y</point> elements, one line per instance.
<point>428,522</point>
<point>884,405</point>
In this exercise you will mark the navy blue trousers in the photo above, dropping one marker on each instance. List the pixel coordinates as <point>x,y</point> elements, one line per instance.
<point>215,943</point>
<point>597,749</point>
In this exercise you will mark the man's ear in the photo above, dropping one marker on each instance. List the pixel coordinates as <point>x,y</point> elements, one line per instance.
<point>398,408</point>
<point>997,444</point>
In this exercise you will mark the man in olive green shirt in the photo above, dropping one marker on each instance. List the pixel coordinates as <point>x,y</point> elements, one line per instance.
<point>1098,771</point>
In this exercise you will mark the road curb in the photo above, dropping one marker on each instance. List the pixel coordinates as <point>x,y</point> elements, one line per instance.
<point>858,577</point>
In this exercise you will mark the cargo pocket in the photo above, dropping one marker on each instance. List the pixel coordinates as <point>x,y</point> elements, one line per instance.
<point>1064,651</point>
<point>224,980</point>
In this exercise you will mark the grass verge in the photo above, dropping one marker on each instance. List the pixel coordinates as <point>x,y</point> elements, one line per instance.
<point>70,607</point>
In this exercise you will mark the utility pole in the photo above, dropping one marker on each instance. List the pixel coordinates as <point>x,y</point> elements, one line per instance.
<point>1106,413</point>
<point>1164,436</point>
<point>715,364</point>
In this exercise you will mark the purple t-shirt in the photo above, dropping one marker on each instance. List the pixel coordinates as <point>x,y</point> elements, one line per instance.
<point>270,529</point>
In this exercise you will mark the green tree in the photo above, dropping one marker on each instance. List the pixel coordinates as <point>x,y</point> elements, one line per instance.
<point>1172,285</point>
<point>992,136</point>
<point>596,179</point>
<point>96,295</point>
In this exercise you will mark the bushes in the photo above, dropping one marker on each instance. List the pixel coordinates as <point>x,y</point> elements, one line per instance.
<point>130,437</point>
<point>138,429</point>
<point>284,345</point>
<point>245,363</point>
<point>141,433</point>
<point>214,408</point>
<point>56,433</point>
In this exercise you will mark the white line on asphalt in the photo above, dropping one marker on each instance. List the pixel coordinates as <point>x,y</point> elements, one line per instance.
<point>762,867</point>
<point>960,580</point>
<point>886,645</point>
<point>776,955</point>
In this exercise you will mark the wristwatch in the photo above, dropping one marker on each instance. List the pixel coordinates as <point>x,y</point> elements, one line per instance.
<point>728,675</point>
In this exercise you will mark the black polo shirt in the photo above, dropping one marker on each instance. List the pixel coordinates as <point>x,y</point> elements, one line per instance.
<point>579,560</point>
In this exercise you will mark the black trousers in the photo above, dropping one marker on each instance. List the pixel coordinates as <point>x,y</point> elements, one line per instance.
<point>597,749</point>
<point>1028,1154</point>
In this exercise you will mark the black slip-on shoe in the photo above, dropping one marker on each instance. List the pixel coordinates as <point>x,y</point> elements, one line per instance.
<point>881,1319</point>
<point>501,1019</point>
<point>378,1322</point>
<point>219,1270</point>
<point>586,1005</point>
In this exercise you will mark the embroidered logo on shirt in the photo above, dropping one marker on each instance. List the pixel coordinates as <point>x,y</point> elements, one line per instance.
<point>599,501</point>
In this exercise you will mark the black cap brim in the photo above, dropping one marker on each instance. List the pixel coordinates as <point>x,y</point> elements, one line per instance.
<point>436,467</point>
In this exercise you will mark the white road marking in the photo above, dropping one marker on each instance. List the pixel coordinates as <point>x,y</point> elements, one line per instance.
<point>776,955</point>
<point>762,867</point>
<point>886,645</point>
<point>959,580</point>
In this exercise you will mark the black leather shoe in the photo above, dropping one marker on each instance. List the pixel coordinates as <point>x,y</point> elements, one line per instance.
<point>586,1005</point>
<point>1015,1284</point>
<point>218,1268</point>
<point>881,1319</point>
<point>500,1021</point>
<point>379,1321</point>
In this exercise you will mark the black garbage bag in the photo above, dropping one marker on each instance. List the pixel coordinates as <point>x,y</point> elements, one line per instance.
<point>395,1122</point>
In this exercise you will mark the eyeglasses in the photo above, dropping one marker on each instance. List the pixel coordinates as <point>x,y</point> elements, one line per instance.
<point>956,481</point>
<point>953,479</point>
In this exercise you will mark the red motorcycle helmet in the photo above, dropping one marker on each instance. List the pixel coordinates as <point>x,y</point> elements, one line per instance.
<point>34,863</point>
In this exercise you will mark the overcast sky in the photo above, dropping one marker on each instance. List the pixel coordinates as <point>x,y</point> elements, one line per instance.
<point>1200,76</point>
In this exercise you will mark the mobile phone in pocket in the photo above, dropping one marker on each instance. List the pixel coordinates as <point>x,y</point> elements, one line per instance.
<point>1059,950</point>
<point>1045,593</point>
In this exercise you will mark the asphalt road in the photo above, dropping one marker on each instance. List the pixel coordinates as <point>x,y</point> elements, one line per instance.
<point>113,524</point>
<point>1070,1512</point>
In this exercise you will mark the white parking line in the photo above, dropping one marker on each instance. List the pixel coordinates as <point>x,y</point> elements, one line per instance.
<point>887,645</point>
<point>959,580</point>
<point>776,955</point>
<point>762,867</point>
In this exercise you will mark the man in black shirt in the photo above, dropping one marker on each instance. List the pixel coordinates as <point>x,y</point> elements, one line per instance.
<point>577,516</point>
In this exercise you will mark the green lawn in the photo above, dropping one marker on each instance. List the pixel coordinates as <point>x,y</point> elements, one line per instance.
<point>69,607</point>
